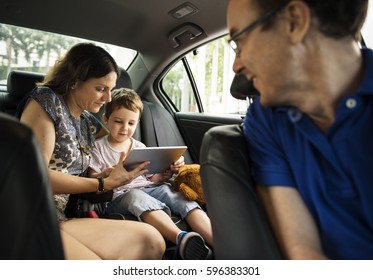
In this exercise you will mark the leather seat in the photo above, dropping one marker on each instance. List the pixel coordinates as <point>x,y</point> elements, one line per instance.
<point>29,224</point>
<point>18,85</point>
<point>240,226</point>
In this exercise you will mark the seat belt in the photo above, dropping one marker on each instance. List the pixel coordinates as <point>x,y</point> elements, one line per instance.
<point>159,131</point>
<point>161,134</point>
<point>99,121</point>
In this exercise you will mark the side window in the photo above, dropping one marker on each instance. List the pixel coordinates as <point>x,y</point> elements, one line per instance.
<point>367,27</point>
<point>34,50</point>
<point>200,82</point>
<point>178,87</point>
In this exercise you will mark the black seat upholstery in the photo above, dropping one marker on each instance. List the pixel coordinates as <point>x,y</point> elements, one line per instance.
<point>240,226</point>
<point>29,224</point>
<point>158,128</point>
<point>18,85</point>
<point>242,88</point>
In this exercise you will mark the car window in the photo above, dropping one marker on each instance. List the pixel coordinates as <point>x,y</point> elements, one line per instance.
<point>178,87</point>
<point>33,50</point>
<point>200,81</point>
<point>367,28</point>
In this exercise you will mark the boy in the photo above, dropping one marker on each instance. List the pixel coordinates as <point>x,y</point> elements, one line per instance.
<point>150,198</point>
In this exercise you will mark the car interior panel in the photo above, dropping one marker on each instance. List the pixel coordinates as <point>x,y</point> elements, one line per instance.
<point>194,126</point>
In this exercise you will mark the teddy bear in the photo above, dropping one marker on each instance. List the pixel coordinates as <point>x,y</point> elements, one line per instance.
<point>188,182</point>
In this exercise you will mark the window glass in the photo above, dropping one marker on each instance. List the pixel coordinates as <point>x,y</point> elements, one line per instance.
<point>211,68</point>
<point>179,89</point>
<point>33,50</point>
<point>368,27</point>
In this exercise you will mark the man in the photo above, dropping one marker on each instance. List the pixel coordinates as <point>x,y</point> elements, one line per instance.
<point>310,133</point>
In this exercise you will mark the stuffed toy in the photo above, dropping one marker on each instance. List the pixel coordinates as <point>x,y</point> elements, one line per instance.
<point>188,182</point>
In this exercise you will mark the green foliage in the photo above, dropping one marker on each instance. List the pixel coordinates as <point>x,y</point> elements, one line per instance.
<point>25,42</point>
<point>172,84</point>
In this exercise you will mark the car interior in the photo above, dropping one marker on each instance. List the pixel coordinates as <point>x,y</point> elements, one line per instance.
<point>162,35</point>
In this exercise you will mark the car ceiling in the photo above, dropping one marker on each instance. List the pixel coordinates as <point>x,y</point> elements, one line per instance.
<point>142,25</point>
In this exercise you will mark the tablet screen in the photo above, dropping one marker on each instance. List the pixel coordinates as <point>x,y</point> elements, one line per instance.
<point>160,157</point>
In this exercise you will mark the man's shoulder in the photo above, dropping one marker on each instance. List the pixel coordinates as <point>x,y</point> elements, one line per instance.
<point>256,113</point>
<point>368,59</point>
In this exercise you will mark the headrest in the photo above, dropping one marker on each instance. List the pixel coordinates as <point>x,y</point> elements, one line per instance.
<point>241,88</point>
<point>124,80</point>
<point>21,82</point>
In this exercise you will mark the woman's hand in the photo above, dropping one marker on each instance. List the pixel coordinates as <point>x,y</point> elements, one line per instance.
<point>120,176</point>
<point>103,174</point>
<point>107,172</point>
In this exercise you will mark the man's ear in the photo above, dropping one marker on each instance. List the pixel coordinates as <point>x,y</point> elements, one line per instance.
<point>74,85</point>
<point>298,15</point>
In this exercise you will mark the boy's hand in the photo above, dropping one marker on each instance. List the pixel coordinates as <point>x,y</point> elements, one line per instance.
<point>161,177</point>
<point>177,164</point>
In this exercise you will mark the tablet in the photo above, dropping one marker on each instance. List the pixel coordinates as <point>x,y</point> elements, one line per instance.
<point>160,157</point>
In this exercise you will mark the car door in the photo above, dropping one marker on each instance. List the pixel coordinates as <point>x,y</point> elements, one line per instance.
<point>197,89</point>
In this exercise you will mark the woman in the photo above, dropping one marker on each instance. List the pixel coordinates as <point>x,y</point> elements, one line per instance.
<point>82,81</point>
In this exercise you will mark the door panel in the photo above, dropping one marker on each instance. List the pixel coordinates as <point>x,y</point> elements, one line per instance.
<point>194,125</point>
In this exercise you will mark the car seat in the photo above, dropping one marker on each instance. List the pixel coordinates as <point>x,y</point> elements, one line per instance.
<point>29,223</point>
<point>240,226</point>
<point>19,84</point>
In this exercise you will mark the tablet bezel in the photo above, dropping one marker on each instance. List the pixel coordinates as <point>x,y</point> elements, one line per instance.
<point>160,157</point>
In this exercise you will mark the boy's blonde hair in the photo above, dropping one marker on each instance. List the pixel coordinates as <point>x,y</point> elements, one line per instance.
<point>124,97</point>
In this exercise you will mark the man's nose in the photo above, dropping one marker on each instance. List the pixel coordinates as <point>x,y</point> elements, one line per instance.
<point>237,65</point>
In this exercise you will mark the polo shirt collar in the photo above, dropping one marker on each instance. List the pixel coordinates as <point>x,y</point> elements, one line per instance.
<point>366,86</point>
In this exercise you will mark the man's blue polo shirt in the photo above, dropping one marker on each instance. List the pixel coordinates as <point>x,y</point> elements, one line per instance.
<point>333,171</point>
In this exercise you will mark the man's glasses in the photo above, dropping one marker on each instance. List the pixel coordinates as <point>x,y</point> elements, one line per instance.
<point>233,40</point>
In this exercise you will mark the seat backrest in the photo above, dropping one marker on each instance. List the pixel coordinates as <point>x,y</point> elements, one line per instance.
<point>242,88</point>
<point>18,85</point>
<point>28,215</point>
<point>158,128</point>
<point>240,226</point>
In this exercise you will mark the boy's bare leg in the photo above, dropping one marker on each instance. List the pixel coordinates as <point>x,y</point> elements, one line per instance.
<point>200,222</point>
<point>162,222</point>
